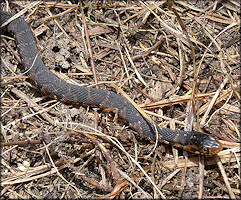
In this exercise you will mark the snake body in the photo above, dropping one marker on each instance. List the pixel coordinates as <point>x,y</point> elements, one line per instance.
<point>47,81</point>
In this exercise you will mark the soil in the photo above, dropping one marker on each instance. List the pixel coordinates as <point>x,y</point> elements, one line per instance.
<point>65,150</point>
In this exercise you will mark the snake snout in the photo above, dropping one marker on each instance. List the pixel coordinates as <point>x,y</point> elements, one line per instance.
<point>209,142</point>
<point>204,144</point>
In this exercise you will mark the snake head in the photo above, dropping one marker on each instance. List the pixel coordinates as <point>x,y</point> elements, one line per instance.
<point>203,144</point>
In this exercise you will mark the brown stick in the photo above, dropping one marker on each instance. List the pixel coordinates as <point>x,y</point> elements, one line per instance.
<point>22,143</point>
<point>137,57</point>
<point>92,62</point>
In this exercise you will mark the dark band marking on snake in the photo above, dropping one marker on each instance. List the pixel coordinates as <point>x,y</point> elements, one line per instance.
<point>48,82</point>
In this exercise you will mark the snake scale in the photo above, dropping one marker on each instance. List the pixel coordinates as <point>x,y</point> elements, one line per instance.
<point>47,81</point>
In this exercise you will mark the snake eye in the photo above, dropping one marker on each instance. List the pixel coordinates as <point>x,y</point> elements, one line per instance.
<point>205,150</point>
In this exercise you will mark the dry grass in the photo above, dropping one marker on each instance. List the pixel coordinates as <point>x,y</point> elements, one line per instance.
<point>177,62</point>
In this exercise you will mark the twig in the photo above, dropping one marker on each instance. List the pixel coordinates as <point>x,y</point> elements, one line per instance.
<point>60,14</point>
<point>213,101</point>
<point>87,37</point>
<point>148,52</point>
<point>201,176</point>
<point>225,178</point>
<point>33,105</point>
<point>22,143</point>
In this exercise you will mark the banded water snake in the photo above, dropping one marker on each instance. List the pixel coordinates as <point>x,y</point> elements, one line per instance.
<point>47,81</point>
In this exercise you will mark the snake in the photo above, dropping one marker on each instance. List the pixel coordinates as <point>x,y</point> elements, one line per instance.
<point>47,81</point>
